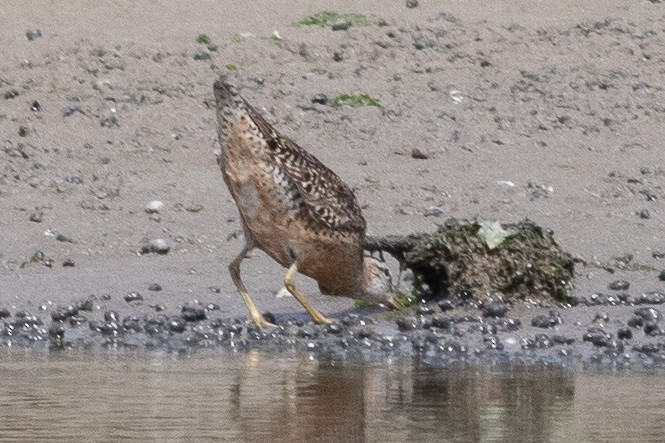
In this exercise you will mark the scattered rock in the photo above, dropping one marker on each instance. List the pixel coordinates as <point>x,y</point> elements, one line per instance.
<point>68,263</point>
<point>648,314</point>
<point>33,34</point>
<point>154,287</point>
<point>619,285</point>
<point>193,313</point>
<point>411,4</point>
<point>433,211</point>
<point>201,54</point>
<point>418,154</point>
<point>36,216</point>
<point>12,93</point>
<point>547,321</point>
<point>320,99</point>
<point>156,246</point>
<point>133,297</point>
<point>661,276</point>
<point>154,207</point>
<point>495,310</point>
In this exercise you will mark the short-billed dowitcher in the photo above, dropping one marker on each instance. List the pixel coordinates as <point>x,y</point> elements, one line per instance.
<point>295,209</point>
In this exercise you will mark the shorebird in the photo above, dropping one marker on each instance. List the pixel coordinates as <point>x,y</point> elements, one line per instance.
<point>295,209</point>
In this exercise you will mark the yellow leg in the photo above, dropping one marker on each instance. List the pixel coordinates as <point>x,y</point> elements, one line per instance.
<point>234,270</point>
<point>317,317</point>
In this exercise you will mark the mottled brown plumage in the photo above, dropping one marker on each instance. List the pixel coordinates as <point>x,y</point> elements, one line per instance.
<point>294,208</point>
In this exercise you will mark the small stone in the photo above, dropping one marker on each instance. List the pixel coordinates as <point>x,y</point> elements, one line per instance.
<point>157,246</point>
<point>341,24</point>
<point>495,310</point>
<point>407,324</point>
<point>32,34</point>
<point>35,107</point>
<point>68,263</point>
<point>624,333</point>
<point>4,313</point>
<point>418,154</point>
<point>446,305</point>
<point>320,99</point>
<point>597,337</point>
<point>658,254</point>
<point>651,328</point>
<point>71,110</point>
<point>195,207</point>
<point>201,54</point>
<point>12,93</point>
<point>63,238</point>
<point>23,131</point>
<point>661,276</point>
<point>411,4</point>
<point>547,321</point>
<point>133,297</point>
<point>176,324</point>
<point>270,317</point>
<point>648,313</point>
<point>424,310</point>
<point>433,211</point>
<point>36,216</point>
<point>153,207</point>
<point>154,287</point>
<point>644,214</point>
<point>110,316</point>
<point>193,313</point>
<point>619,285</point>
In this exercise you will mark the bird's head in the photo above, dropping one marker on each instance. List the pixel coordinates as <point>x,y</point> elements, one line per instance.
<point>377,285</point>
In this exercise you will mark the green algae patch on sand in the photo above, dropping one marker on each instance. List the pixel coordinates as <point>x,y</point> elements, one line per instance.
<point>483,257</point>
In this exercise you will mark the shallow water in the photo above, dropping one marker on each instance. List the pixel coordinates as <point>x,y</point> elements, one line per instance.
<point>255,397</point>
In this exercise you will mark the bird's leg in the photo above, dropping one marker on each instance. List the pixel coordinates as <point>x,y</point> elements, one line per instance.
<point>317,317</point>
<point>234,270</point>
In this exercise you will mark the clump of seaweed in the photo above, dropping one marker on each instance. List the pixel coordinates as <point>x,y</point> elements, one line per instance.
<point>483,257</point>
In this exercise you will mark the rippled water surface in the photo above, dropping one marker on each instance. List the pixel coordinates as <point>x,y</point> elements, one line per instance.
<point>256,397</point>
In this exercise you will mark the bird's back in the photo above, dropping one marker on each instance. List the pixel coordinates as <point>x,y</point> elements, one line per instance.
<point>290,203</point>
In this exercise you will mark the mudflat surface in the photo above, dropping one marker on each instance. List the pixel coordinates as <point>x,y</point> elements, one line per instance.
<point>551,111</point>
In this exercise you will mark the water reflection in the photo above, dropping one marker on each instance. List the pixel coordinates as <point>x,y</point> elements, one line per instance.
<point>255,397</point>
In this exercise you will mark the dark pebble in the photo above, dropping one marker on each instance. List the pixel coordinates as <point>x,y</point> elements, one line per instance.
<point>155,287</point>
<point>542,341</point>
<point>321,99</point>
<point>658,254</point>
<point>68,263</point>
<point>4,313</point>
<point>111,316</point>
<point>648,313</point>
<point>36,216</point>
<point>625,333</point>
<point>77,320</point>
<point>131,323</point>
<point>562,340</point>
<point>495,310</point>
<point>201,54</point>
<point>651,328</point>
<point>85,305</point>
<point>133,297</point>
<point>193,313</point>
<point>661,276</point>
<point>492,342</point>
<point>644,214</point>
<point>411,4</point>
<point>407,323</point>
<point>446,305</point>
<point>32,34</point>
<point>56,331</point>
<point>106,297</point>
<point>63,313</point>
<point>176,324</point>
<point>159,308</point>
<point>441,322</point>
<point>649,348</point>
<point>547,321</point>
<point>465,294</point>
<point>636,322</point>
<point>598,337</point>
<point>213,307</point>
<point>71,110</point>
<point>12,93</point>
<point>418,154</point>
<point>619,285</point>
<point>35,106</point>
<point>63,238</point>
<point>652,298</point>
